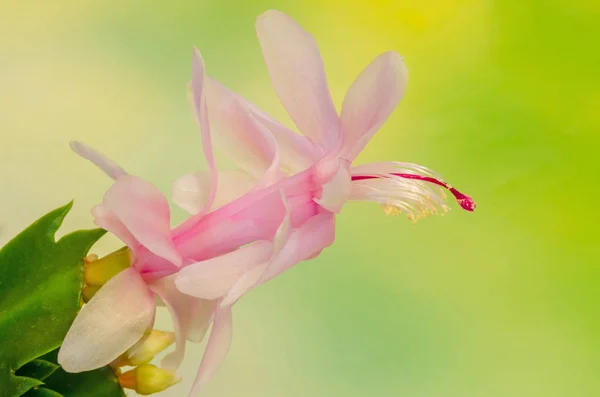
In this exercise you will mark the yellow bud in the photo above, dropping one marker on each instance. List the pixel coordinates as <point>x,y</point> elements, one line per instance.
<point>88,292</point>
<point>98,272</point>
<point>148,379</point>
<point>155,343</point>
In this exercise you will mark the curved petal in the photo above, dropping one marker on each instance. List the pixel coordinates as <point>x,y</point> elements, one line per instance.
<point>109,167</point>
<point>201,112</point>
<point>191,191</point>
<point>250,278</point>
<point>112,321</point>
<point>216,349</point>
<point>296,152</point>
<point>245,141</point>
<point>144,211</point>
<point>191,318</point>
<point>336,192</point>
<point>212,278</point>
<point>370,100</point>
<point>298,76</point>
<point>303,243</point>
<point>107,220</point>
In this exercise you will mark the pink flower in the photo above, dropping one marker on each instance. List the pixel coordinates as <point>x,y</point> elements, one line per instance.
<point>232,242</point>
<point>319,177</point>
<point>248,225</point>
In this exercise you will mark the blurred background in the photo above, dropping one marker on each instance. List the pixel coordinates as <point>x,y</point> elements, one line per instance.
<point>503,100</point>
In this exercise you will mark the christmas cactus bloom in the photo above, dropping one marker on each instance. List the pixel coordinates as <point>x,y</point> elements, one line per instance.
<point>314,170</point>
<point>115,325</point>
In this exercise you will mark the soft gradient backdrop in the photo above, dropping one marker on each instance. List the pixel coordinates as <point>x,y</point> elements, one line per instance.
<point>503,100</point>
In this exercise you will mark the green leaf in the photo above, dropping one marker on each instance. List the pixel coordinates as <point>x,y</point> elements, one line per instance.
<point>42,392</point>
<point>37,369</point>
<point>40,288</point>
<point>98,383</point>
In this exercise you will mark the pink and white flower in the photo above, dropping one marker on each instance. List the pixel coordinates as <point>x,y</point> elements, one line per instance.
<point>248,225</point>
<point>239,237</point>
<point>314,170</point>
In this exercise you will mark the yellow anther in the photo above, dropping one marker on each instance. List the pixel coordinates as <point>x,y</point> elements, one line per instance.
<point>97,272</point>
<point>148,379</point>
<point>443,194</point>
<point>390,209</point>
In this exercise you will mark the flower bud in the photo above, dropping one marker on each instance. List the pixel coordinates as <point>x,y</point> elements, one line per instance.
<point>88,292</point>
<point>155,343</point>
<point>98,271</point>
<point>148,379</point>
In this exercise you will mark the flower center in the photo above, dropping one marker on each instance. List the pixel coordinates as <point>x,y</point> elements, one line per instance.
<point>463,200</point>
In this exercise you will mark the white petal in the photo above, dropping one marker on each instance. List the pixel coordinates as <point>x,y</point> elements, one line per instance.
<point>212,278</point>
<point>336,192</point>
<point>112,321</point>
<point>298,76</point>
<point>370,100</point>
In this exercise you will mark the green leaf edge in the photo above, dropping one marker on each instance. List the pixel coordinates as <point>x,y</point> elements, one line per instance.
<point>37,369</point>
<point>53,221</point>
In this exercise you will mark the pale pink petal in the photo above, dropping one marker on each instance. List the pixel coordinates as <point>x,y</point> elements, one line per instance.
<point>370,100</point>
<point>109,167</point>
<point>191,318</point>
<point>296,152</point>
<point>145,212</point>
<point>336,192</point>
<point>239,135</point>
<point>303,243</point>
<point>201,112</point>
<point>216,349</point>
<point>191,191</point>
<point>298,76</point>
<point>212,278</point>
<point>112,321</point>
<point>251,277</point>
<point>107,220</point>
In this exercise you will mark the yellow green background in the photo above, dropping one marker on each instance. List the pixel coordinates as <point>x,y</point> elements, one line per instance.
<point>503,100</point>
